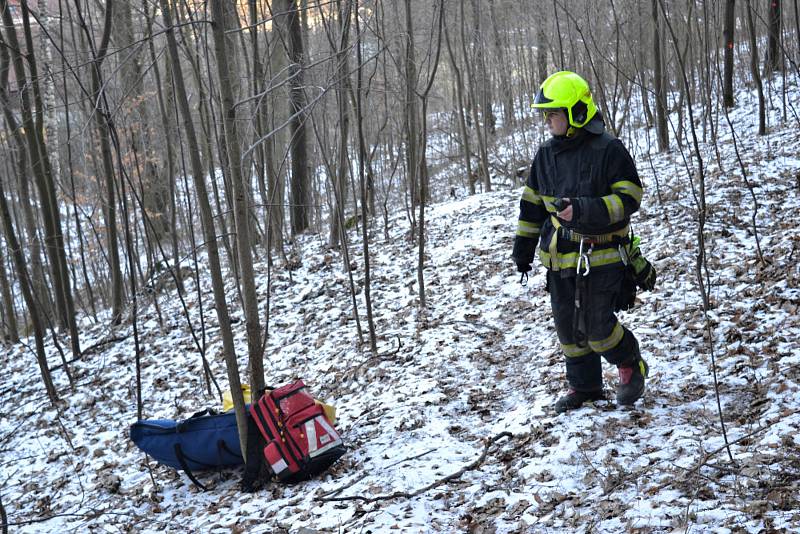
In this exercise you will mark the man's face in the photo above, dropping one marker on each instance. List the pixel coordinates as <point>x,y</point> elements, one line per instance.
<point>556,121</point>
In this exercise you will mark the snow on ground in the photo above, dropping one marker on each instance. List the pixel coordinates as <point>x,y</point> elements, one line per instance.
<point>474,374</point>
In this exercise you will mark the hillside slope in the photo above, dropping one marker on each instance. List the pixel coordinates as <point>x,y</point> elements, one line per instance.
<point>475,374</point>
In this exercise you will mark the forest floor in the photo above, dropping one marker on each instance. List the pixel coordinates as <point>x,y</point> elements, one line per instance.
<point>467,385</point>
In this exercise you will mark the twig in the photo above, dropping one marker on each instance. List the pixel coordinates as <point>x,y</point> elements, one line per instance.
<point>432,485</point>
<point>363,476</point>
<point>99,344</point>
<point>418,456</point>
<point>90,515</point>
<point>475,323</point>
<point>378,357</point>
<point>3,518</point>
<point>342,488</point>
<point>704,461</point>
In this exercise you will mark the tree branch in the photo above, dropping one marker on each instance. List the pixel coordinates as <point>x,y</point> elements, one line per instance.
<point>409,495</point>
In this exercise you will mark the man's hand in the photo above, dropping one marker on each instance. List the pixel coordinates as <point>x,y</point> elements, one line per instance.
<point>564,207</point>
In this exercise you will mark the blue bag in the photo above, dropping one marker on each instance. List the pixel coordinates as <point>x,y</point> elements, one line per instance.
<point>206,440</point>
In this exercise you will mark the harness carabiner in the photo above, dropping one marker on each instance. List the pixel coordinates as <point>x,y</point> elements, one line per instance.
<point>583,259</point>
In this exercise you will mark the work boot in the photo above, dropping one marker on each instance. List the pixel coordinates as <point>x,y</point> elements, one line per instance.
<point>631,382</point>
<point>575,399</point>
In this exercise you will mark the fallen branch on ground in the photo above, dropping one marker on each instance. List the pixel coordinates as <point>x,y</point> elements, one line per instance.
<point>704,460</point>
<point>409,495</point>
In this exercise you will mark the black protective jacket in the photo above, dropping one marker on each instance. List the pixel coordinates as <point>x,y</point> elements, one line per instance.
<point>595,171</point>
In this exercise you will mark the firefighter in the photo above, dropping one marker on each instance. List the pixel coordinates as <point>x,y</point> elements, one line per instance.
<point>581,192</point>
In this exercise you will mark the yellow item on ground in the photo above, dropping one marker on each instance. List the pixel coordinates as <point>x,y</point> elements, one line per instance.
<point>227,397</point>
<point>227,403</point>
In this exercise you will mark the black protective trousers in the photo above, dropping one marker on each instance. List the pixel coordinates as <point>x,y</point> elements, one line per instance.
<point>604,335</point>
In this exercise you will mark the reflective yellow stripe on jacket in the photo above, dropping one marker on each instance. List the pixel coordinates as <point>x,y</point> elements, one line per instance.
<point>569,260</point>
<point>528,229</point>
<point>615,204</point>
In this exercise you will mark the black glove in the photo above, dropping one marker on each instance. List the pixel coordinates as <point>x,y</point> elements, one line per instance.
<point>523,267</point>
<point>646,279</point>
<point>644,274</point>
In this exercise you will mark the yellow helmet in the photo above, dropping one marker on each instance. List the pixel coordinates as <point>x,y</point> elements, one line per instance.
<point>569,91</point>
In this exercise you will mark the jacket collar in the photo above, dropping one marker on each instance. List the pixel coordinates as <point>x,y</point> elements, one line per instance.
<point>596,126</point>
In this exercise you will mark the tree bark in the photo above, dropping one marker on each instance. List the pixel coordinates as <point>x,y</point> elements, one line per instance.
<point>662,131</point>
<point>27,294</point>
<point>10,330</point>
<point>772,61</point>
<point>101,119</point>
<point>227,67</point>
<point>762,119</point>
<point>300,185</point>
<point>728,38</point>
<point>198,177</point>
<point>40,167</point>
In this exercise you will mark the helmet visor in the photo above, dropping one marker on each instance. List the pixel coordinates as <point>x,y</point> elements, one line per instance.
<point>541,99</point>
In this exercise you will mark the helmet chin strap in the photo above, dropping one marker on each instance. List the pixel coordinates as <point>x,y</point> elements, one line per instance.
<point>571,131</point>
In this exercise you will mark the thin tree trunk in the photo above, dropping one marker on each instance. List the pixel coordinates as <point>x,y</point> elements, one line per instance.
<point>166,112</point>
<point>40,166</point>
<point>728,38</point>
<point>662,131</point>
<point>484,92</point>
<point>772,61</point>
<point>10,330</point>
<point>38,282</point>
<point>483,164</point>
<point>541,54</point>
<point>217,283</point>
<point>505,81</point>
<point>300,190</point>
<point>362,155</point>
<point>462,123</point>
<point>27,294</point>
<point>339,180</point>
<point>227,65</point>
<point>762,119</point>
<point>101,118</point>
<point>411,116</point>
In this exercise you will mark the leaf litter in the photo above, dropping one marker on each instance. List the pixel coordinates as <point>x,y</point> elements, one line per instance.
<point>480,361</point>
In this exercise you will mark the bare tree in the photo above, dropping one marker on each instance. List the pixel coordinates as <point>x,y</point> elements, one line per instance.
<point>10,332</point>
<point>27,293</point>
<point>772,60</point>
<point>762,116</point>
<point>101,119</point>
<point>225,22</point>
<point>662,131</point>
<point>300,191</point>
<point>37,152</point>
<point>207,219</point>
<point>728,41</point>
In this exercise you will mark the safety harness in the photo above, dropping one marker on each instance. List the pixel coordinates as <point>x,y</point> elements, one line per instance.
<point>579,326</point>
<point>594,239</point>
<point>583,266</point>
